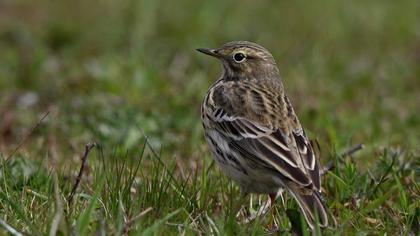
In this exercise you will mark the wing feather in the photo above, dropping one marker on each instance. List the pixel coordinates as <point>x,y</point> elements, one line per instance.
<point>270,146</point>
<point>307,154</point>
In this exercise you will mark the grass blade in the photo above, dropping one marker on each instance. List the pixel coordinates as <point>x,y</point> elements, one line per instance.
<point>153,229</point>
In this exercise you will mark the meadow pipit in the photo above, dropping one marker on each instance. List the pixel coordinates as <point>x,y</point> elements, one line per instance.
<point>254,133</point>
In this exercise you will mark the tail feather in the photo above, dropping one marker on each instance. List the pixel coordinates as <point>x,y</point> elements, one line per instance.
<point>311,203</point>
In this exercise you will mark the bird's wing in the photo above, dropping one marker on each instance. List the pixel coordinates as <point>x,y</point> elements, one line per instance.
<point>290,153</point>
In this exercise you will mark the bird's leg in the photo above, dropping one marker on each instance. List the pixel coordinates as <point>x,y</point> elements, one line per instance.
<point>241,212</point>
<point>273,196</point>
<point>280,193</point>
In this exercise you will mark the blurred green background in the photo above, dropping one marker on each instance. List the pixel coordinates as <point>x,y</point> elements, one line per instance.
<point>112,71</point>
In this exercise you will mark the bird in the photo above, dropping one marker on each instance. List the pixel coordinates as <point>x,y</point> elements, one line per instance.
<point>254,134</point>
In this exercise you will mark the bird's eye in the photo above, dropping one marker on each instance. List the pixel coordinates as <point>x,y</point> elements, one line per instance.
<point>239,57</point>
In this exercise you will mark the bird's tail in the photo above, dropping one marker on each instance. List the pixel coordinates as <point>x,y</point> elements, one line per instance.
<point>311,203</point>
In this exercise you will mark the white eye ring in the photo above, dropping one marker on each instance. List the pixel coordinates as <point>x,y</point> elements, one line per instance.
<point>239,57</point>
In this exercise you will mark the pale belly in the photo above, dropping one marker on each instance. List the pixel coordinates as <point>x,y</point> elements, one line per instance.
<point>252,178</point>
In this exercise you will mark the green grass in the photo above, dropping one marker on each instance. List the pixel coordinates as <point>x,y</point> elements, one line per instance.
<point>124,74</point>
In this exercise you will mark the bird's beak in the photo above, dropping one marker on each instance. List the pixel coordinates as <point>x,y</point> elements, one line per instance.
<point>211,52</point>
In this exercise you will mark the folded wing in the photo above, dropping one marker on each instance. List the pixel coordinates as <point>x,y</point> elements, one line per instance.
<point>290,154</point>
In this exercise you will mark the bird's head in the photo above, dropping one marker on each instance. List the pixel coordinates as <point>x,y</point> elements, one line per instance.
<point>241,59</point>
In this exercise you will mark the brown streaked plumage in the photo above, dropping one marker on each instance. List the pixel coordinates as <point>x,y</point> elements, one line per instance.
<point>254,133</point>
